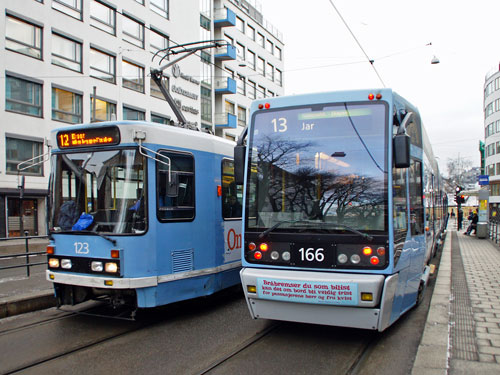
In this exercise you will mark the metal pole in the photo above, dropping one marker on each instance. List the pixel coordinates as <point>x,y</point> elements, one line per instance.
<point>27,254</point>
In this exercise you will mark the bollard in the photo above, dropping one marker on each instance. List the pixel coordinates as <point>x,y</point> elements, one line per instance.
<point>27,254</point>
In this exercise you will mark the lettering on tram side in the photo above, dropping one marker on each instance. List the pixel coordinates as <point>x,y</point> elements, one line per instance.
<point>330,293</point>
<point>232,241</point>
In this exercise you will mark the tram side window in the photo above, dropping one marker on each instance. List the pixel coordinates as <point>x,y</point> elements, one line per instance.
<point>176,197</point>
<point>416,202</point>
<point>232,194</point>
<point>400,200</point>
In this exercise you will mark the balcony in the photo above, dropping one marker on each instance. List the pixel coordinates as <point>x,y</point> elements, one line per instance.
<point>224,17</point>
<point>225,85</point>
<point>225,120</point>
<point>225,53</point>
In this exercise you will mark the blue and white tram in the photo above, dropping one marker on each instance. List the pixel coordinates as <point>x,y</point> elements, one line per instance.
<point>142,214</point>
<point>343,208</point>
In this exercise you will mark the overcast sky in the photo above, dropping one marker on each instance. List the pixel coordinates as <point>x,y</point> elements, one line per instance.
<point>321,55</point>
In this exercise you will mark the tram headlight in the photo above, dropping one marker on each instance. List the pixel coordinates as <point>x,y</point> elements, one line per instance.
<point>96,266</point>
<point>342,258</point>
<point>66,264</point>
<point>275,255</point>
<point>355,258</point>
<point>54,263</point>
<point>111,267</point>
<point>285,256</point>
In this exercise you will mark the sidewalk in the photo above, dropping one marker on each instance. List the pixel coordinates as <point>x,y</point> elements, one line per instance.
<point>462,332</point>
<point>19,293</point>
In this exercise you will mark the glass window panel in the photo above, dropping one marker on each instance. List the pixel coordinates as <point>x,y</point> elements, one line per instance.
<point>66,106</point>
<point>102,17</point>
<point>232,194</point>
<point>104,111</point>
<point>19,150</point>
<point>251,32</point>
<point>102,65</point>
<point>160,119</point>
<point>206,104</point>
<point>23,96</point>
<point>72,8</point>
<point>157,41</point>
<point>240,24</point>
<point>160,7</point>
<point>133,114</point>
<point>66,53</point>
<point>251,60</point>
<point>23,37</point>
<point>132,76</point>
<point>133,31</point>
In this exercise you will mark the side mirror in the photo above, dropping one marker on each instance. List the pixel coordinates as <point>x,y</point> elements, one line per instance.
<point>239,164</point>
<point>401,150</point>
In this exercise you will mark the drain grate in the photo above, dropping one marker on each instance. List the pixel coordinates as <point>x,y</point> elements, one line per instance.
<point>463,342</point>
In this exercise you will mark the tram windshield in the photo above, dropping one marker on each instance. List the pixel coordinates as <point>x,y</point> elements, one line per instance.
<point>99,192</point>
<point>320,167</point>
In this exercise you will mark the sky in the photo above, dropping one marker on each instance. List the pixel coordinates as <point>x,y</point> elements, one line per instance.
<point>320,54</point>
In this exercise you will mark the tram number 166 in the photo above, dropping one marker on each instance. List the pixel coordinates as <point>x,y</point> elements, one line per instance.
<point>311,254</point>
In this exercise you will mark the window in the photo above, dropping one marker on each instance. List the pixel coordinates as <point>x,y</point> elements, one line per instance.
<point>132,76</point>
<point>228,39</point>
<point>240,52</point>
<point>251,32</point>
<point>206,68</point>
<point>261,92</point>
<point>229,72</point>
<point>206,104</point>
<point>66,53</point>
<point>261,40</point>
<point>241,85</point>
<point>157,42</point>
<point>155,90</point>
<point>240,25</point>
<point>498,168</point>
<point>270,72</point>
<point>261,66</point>
<point>416,203</point>
<point>279,77</point>
<point>103,17</point>
<point>160,119</point>
<point>399,197</point>
<point>231,193</point>
<point>72,8</point>
<point>66,106</point>
<point>102,65</point>
<point>19,150</point>
<point>176,197</point>
<point>251,60</point>
<point>251,90</point>
<point>23,37</point>
<point>269,46</point>
<point>133,114</point>
<point>104,111</point>
<point>242,116</point>
<point>160,7</point>
<point>23,96</point>
<point>229,107</point>
<point>133,31</point>
<point>277,52</point>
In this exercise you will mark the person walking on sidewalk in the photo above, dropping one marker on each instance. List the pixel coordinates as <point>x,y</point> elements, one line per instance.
<point>473,224</point>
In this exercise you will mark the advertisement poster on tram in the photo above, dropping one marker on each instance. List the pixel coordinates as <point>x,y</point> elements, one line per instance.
<point>232,241</point>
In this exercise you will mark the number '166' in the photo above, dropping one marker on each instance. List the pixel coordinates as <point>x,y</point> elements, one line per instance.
<point>311,254</point>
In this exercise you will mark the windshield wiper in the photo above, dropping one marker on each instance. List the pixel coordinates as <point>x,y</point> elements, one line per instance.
<point>113,241</point>
<point>320,224</point>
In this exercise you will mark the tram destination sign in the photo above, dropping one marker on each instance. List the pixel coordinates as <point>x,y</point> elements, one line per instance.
<point>92,137</point>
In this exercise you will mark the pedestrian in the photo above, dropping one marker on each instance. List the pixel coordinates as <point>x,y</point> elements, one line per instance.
<point>460,219</point>
<point>452,213</point>
<point>473,224</point>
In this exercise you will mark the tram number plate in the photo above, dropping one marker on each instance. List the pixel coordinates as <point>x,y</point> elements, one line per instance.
<point>312,256</point>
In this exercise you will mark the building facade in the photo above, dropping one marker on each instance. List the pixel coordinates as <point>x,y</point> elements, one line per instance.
<point>78,61</point>
<point>492,133</point>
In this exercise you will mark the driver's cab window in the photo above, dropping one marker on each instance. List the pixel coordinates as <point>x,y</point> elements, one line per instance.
<point>232,194</point>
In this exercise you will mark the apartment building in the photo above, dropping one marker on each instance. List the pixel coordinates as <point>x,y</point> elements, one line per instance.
<point>67,62</point>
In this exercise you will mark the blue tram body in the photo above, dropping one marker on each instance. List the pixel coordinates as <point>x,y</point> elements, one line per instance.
<point>140,214</point>
<point>344,208</point>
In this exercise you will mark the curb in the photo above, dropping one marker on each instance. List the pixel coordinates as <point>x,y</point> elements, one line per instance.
<point>432,354</point>
<point>27,303</point>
